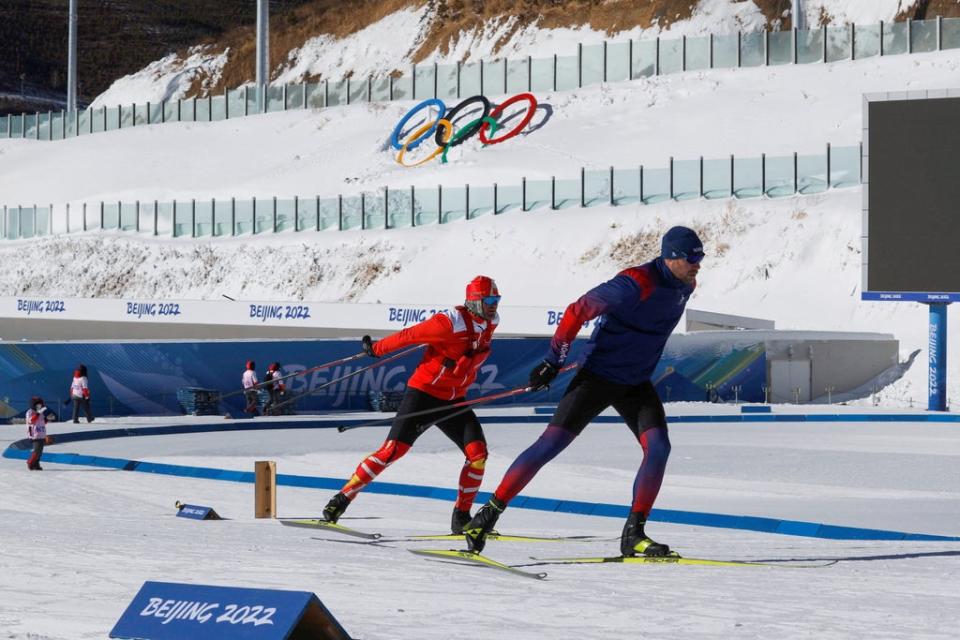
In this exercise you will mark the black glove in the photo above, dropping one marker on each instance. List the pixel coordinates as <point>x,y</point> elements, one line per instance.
<point>368,347</point>
<point>542,375</point>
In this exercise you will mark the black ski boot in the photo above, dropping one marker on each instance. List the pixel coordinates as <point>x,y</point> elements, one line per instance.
<point>634,541</point>
<point>476,530</point>
<point>335,508</point>
<point>459,521</point>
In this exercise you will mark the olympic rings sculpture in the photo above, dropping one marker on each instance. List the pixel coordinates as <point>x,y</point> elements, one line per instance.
<point>442,128</point>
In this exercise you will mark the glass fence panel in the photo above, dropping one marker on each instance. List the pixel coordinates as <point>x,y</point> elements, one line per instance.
<point>43,126</point>
<point>809,46</point>
<point>698,53</point>
<point>25,225</point>
<point>894,38</point>
<point>30,126</point>
<point>644,58</point>
<point>470,79</point>
<point>110,216</point>
<point>380,90</point>
<point>779,176</point>
<point>171,112</point>
<point>626,186</point>
<point>403,88</point>
<point>16,127</point>
<point>424,82</point>
<point>222,218</point>
<point>752,49</point>
<point>140,113</point>
<point>251,99</point>
<point>866,41</point>
<point>4,126</point>
<point>352,212</point>
<point>811,173</point>
<point>671,55</point>
<point>596,188</point>
<point>264,215</point>
<point>358,89</point>
<point>568,73</point>
<point>286,214</point>
<point>295,94</point>
<point>236,103</point>
<point>72,124</point>
<point>686,179</point>
<point>747,177</point>
<point>844,166</point>
<point>126,116</point>
<point>129,216</point>
<point>518,75</point>
<point>447,88</point>
<point>57,126</point>
<point>188,110</point>
<point>453,204</point>
<point>538,194</point>
<point>218,108</point>
<point>618,61</point>
<point>591,71</point>
<point>716,178</point>
<point>481,202</point>
<point>275,100</point>
<point>425,206</point>
<point>399,208</point>
<point>306,214</point>
<point>655,185</point>
<point>203,218</point>
<point>950,33</point>
<point>315,98</point>
<point>567,193</point>
<point>202,113</point>
<point>923,36</point>
<point>144,216</point>
<point>11,221</point>
<point>494,78</point>
<point>838,43</point>
<point>329,213</point>
<point>509,198</point>
<point>781,47</point>
<point>164,218</point>
<point>243,211</point>
<point>373,208</point>
<point>335,93</point>
<point>541,74</point>
<point>182,219</point>
<point>41,221</point>
<point>725,51</point>
<point>154,112</point>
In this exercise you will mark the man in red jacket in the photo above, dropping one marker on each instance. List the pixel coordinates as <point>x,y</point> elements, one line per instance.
<point>458,343</point>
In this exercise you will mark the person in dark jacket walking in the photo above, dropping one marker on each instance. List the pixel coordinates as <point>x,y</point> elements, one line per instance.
<point>638,310</point>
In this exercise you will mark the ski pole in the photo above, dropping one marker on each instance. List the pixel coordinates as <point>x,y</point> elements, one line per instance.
<point>465,404</point>
<point>326,365</point>
<point>376,364</point>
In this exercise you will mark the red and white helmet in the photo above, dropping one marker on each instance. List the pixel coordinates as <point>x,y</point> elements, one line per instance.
<point>481,290</point>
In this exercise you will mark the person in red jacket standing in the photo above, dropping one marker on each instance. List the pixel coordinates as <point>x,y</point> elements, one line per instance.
<point>458,343</point>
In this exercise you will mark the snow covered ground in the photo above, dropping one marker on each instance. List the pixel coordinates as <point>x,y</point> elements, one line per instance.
<point>77,542</point>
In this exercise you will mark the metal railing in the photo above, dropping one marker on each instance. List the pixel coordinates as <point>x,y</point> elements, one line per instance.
<point>592,64</point>
<point>706,178</point>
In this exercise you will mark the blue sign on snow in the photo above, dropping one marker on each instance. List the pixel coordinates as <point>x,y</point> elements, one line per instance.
<point>196,512</point>
<point>172,611</point>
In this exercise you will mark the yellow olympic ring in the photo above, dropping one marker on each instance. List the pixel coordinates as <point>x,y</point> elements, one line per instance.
<point>416,134</point>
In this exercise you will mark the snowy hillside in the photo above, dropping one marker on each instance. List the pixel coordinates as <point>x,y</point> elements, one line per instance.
<point>393,43</point>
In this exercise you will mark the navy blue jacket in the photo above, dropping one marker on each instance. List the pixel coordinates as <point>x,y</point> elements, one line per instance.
<point>638,310</point>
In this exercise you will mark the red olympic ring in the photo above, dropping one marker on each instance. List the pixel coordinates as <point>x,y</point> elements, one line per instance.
<point>517,129</point>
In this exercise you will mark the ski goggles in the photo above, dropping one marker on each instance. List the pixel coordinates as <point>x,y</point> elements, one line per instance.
<point>490,300</point>
<point>695,258</point>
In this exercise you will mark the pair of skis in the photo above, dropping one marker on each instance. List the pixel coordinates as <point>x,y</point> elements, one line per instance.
<point>470,557</point>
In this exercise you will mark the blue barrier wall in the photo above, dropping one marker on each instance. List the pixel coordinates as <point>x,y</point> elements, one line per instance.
<point>142,378</point>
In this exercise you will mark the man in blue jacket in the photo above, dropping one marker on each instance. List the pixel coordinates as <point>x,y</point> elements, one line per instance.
<point>638,310</point>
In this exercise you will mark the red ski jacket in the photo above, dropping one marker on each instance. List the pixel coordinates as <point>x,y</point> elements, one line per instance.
<point>457,346</point>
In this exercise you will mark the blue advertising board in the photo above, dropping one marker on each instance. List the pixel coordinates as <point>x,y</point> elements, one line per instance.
<point>173,611</point>
<point>143,378</point>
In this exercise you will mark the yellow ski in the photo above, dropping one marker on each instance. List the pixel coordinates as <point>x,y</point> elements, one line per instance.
<point>477,559</point>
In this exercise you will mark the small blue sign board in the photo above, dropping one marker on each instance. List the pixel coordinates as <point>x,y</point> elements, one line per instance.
<point>755,408</point>
<point>196,512</point>
<point>173,611</point>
